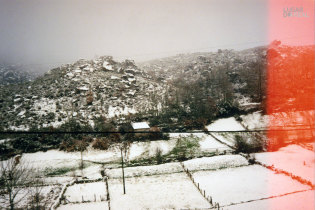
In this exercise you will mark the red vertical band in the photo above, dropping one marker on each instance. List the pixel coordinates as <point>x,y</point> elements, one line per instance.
<point>291,81</point>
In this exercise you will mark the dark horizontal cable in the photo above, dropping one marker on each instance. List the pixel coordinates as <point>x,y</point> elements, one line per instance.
<point>149,132</point>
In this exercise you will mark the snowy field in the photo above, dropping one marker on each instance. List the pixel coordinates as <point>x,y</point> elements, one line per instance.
<point>95,192</point>
<point>55,159</point>
<point>205,163</point>
<point>226,124</point>
<point>301,200</point>
<point>215,162</point>
<point>227,138</point>
<point>228,179</point>
<point>209,144</point>
<point>166,168</point>
<point>84,206</point>
<point>172,191</point>
<point>293,159</point>
<point>148,149</point>
<point>235,185</point>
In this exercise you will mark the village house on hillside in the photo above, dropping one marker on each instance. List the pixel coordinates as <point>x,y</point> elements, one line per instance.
<point>140,127</point>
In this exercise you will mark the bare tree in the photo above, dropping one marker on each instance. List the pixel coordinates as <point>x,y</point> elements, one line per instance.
<point>37,200</point>
<point>15,176</point>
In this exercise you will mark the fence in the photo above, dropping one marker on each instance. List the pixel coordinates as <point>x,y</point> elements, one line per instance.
<point>61,198</point>
<point>214,205</point>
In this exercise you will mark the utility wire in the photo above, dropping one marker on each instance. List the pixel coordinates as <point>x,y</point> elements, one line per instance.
<point>150,132</point>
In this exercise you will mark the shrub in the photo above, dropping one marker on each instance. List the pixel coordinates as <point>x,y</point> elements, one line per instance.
<point>72,145</point>
<point>227,109</point>
<point>89,100</point>
<point>58,171</point>
<point>50,116</point>
<point>101,143</point>
<point>195,124</point>
<point>26,144</point>
<point>6,151</point>
<point>158,155</point>
<point>126,127</point>
<point>186,147</point>
<point>242,145</point>
<point>158,135</point>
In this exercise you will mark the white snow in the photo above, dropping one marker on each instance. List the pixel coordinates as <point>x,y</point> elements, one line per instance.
<point>178,135</point>
<point>116,111</point>
<point>95,191</point>
<point>19,128</point>
<point>47,105</point>
<point>255,121</point>
<point>227,138</point>
<point>70,74</point>
<point>172,191</point>
<point>54,159</point>
<point>149,148</point>
<point>57,180</point>
<point>226,124</point>
<point>3,141</point>
<point>107,66</point>
<point>234,185</point>
<point>145,170</point>
<point>60,159</point>
<point>84,88</point>
<point>84,206</point>
<point>114,78</point>
<point>215,162</point>
<point>208,143</point>
<point>293,159</point>
<point>131,79</point>
<point>17,99</point>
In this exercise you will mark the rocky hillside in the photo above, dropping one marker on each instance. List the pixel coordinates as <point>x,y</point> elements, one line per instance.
<point>245,71</point>
<point>84,90</point>
<point>191,89</point>
<point>241,76</point>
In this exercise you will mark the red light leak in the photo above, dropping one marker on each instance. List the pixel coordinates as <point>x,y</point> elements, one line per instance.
<point>291,80</point>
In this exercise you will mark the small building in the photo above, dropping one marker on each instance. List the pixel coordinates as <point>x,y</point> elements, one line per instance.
<point>140,127</point>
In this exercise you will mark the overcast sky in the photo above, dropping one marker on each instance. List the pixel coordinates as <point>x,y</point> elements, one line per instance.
<point>61,31</point>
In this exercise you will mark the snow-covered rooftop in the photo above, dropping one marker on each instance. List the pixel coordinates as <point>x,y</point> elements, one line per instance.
<point>140,125</point>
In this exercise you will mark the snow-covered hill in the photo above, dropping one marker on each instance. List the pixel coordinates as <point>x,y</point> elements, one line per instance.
<point>84,90</point>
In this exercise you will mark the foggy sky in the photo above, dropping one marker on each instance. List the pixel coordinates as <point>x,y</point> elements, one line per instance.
<point>62,31</point>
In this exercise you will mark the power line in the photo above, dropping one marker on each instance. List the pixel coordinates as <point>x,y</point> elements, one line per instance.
<point>150,132</point>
